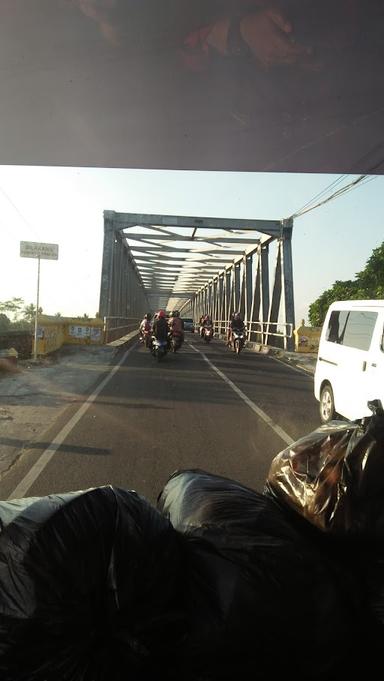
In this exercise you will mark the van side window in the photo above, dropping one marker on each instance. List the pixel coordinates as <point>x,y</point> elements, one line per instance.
<point>353,328</point>
<point>336,326</point>
<point>359,329</point>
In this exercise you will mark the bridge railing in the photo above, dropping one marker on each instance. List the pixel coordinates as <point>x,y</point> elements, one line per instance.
<point>116,327</point>
<point>270,333</point>
<point>266,333</point>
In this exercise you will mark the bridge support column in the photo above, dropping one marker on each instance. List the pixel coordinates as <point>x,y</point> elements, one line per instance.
<point>247,281</point>
<point>255,334</point>
<point>236,286</point>
<point>264,282</point>
<point>275,301</point>
<point>282,289</point>
<point>287,273</point>
<point>107,268</point>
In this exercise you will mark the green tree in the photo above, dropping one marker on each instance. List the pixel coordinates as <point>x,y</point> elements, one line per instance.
<point>341,290</point>
<point>371,278</point>
<point>369,283</point>
<point>58,315</point>
<point>5,322</point>
<point>13,307</point>
<point>21,325</point>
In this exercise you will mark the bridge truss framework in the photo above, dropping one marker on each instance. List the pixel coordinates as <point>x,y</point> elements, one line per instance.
<point>199,265</point>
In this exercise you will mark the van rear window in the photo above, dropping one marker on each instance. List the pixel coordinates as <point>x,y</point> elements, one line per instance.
<point>353,328</point>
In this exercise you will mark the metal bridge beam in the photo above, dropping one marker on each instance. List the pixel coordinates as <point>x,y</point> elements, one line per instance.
<point>151,239</point>
<point>271,227</point>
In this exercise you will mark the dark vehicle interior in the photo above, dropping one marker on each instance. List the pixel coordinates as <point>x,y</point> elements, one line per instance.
<point>213,581</point>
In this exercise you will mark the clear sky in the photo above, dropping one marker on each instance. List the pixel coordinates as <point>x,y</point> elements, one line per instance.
<point>65,206</point>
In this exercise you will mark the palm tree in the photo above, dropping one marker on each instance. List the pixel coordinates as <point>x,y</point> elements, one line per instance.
<point>29,312</point>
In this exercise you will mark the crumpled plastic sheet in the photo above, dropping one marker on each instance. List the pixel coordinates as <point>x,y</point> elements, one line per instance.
<point>334,477</point>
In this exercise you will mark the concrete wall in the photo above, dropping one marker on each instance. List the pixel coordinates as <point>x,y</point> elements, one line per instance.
<point>53,333</point>
<point>116,327</point>
<point>307,338</point>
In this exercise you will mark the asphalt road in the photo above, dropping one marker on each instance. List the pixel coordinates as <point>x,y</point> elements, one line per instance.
<point>230,416</point>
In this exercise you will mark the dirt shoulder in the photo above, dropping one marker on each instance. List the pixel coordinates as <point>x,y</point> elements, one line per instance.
<point>35,394</point>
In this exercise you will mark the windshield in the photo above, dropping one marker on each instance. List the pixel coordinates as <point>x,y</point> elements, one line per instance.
<point>185,188</point>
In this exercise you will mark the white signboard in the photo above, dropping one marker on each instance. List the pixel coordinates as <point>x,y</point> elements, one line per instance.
<point>79,331</point>
<point>33,249</point>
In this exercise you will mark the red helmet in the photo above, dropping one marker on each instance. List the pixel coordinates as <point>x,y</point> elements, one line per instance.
<point>160,313</point>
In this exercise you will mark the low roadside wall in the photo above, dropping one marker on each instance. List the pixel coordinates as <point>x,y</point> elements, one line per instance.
<point>53,333</point>
<point>117,327</point>
<point>307,338</point>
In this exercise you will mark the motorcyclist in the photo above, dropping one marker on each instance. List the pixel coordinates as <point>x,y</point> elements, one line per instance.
<point>176,325</point>
<point>145,325</point>
<point>160,326</point>
<point>205,321</point>
<point>237,323</point>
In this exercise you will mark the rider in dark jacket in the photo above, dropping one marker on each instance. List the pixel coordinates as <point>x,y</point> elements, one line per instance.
<point>237,323</point>
<point>206,321</point>
<point>160,327</point>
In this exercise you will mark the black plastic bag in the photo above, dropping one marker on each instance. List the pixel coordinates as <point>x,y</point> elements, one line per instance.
<point>194,498</point>
<point>87,588</point>
<point>263,598</point>
<point>334,477</point>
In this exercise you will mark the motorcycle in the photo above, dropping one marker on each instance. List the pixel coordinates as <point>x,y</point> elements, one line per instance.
<point>208,333</point>
<point>159,348</point>
<point>175,341</point>
<point>238,340</point>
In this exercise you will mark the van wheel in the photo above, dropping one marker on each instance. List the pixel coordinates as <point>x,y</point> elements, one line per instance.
<point>327,404</point>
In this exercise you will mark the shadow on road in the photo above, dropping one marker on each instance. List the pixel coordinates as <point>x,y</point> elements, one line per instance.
<point>73,449</point>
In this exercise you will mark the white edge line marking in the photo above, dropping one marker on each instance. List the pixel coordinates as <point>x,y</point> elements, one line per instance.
<point>300,370</point>
<point>32,475</point>
<point>279,431</point>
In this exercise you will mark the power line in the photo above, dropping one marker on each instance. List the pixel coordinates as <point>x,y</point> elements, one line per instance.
<point>18,212</point>
<point>320,194</point>
<point>362,179</point>
<point>11,234</point>
<point>335,195</point>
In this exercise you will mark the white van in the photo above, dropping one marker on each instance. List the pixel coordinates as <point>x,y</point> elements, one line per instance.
<point>350,363</point>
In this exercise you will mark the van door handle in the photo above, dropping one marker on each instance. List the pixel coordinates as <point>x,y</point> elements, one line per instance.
<point>327,361</point>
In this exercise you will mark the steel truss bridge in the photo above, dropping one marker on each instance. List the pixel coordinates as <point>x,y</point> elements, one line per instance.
<point>198,265</point>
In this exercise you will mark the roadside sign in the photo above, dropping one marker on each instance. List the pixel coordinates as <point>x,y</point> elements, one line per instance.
<point>34,249</point>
